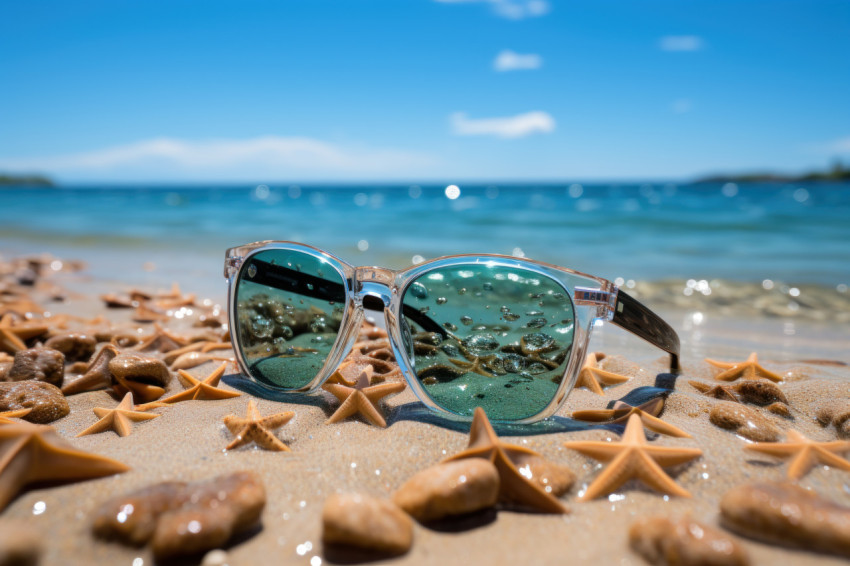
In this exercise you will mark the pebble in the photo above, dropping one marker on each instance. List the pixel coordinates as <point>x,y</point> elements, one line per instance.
<point>19,544</point>
<point>682,542</point>
<point>837,414</point>
<point>787,514</point>
<point>555,478</point>
<point>453,488</point>
<point>743,421</point>
<point>181,519</point>
<point>760,392</point>
<point>135,367</point>
<point>365,522</point>
<point>42,364</point>
<point>75,346</point>
<point>46,400</point>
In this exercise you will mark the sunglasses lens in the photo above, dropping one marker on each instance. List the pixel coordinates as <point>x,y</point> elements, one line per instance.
<point>489,336</point>
<point>289,306</point>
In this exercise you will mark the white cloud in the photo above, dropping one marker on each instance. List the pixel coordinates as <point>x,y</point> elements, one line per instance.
<point>681,106</point>
<point>510,9</point>
<point>681,43</point>
<point>508,60</point>
<point>266,156</point>
<point>517,126</point>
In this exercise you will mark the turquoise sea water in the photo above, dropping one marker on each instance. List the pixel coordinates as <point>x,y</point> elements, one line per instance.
<point>796,234</point>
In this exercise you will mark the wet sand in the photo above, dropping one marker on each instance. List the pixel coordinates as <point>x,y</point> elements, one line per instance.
<point>187,441</point>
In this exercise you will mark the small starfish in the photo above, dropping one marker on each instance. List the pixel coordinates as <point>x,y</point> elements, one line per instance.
<point>633,458</point>
<point>120,419</point>
<point>206,390</point>
<point>362,398</point>
<point>592,375</point>
<point>722,392</point>
<point>257,429</point>
<point>805,453</point>
<point>161,340</point>
<point>12,337</point>
<point>354,364</point>
<point>476,365</point>
<point>620,414</point>
<point>32,453</point>
<point>7,416</point>
<point>514,487</point>
<point>749,369</point>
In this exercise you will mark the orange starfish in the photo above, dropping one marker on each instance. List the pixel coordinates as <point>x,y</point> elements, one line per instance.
<point>12,336</point>
<point>633,458</point>
<point>804,453</point>
<point>749,369</point>
<point>474,365</point>
<point>362,397</point>
<point>7,416</point>
<point>206,390</point>
<point>648,413</point>
<point>592,375</point>
<point>514,487</point>
<point>120,419</point>
<point>32,453</point>
<point>257,429</point>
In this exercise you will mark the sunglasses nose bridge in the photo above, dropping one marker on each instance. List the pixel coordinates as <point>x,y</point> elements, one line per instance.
<point>373,284</point>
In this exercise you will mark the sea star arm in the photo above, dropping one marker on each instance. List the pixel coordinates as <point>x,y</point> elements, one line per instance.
<point>652,475</point>
<point>602,451</point>
<point>618,472</point>
<point>672,455</point>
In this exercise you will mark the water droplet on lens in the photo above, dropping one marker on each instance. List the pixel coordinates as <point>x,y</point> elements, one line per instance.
<point>286,332</point>
<point>479,327</point>
<point>487,286</point>
<point>511,316</point>
<point>450,326</point>
<point>461,291</point>
<point>317,339</point>
<point>505,309</point>
<point>419,291</point>
<point>450,350</point>
<point>513,363</point>
<point>480,343</point>
<point>536,323</point>
<point>537,368</point>
<point>535,313</point>
<point>423,310</point>
<point>466,320</point>
<point>261,327</point>
<point>537,342</point>
<point>441,300</point>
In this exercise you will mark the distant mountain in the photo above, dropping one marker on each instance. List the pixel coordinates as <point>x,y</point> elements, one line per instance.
<point>838,172</point>
<point>25,181</point>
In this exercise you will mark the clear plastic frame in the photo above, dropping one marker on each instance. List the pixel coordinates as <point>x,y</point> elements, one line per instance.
<point>587,298</point>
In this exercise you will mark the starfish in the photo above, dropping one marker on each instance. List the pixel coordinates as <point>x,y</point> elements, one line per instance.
<point>514,487</point>
<point>32,453</point>
<point>633,458</point>
<point>749,369</point>
<point>722,392</point>
<point>620,414</point>
<point>805,453</point>
<point>592,375</point>
<point>257,429</point>
<point>206,390</point>
<point>12,337</point>
<point>161,340</point>
<point>362,397</point>
<point>120,419</point>
<point>7,416</point>
<point>354,364</point>
<point>476,365</point>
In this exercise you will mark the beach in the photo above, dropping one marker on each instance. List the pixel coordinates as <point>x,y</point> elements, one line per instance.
<point>186,443</point>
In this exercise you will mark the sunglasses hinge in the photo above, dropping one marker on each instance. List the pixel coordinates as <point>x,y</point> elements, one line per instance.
<point>232,265</point>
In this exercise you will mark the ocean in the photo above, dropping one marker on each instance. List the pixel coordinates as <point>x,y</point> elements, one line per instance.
<point>757,237</point>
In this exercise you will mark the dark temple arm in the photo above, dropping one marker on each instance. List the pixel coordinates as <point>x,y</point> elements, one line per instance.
<point>639,320</point>
<point>286,279</point>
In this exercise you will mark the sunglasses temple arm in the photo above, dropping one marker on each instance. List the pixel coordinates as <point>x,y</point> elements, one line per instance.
<point>633,316</point>
<point>284,278</point>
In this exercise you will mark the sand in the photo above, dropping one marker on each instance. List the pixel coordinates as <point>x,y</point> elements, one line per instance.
<point>187,441</point>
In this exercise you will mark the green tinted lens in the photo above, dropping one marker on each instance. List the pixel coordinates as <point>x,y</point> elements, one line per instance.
<point>289,306</point>
<point>505,341</point>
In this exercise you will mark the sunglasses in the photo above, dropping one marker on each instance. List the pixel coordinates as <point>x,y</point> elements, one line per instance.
<point>498,332</point>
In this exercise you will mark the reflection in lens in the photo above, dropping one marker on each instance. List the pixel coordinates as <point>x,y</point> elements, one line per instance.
<point>289,306</point>
<point>489,336</point>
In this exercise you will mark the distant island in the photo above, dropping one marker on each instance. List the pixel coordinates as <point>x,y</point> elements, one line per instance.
<point>838,172</point>
<point>25,181</point>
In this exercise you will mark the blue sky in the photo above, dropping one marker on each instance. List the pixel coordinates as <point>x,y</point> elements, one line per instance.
<point>358,90</point>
